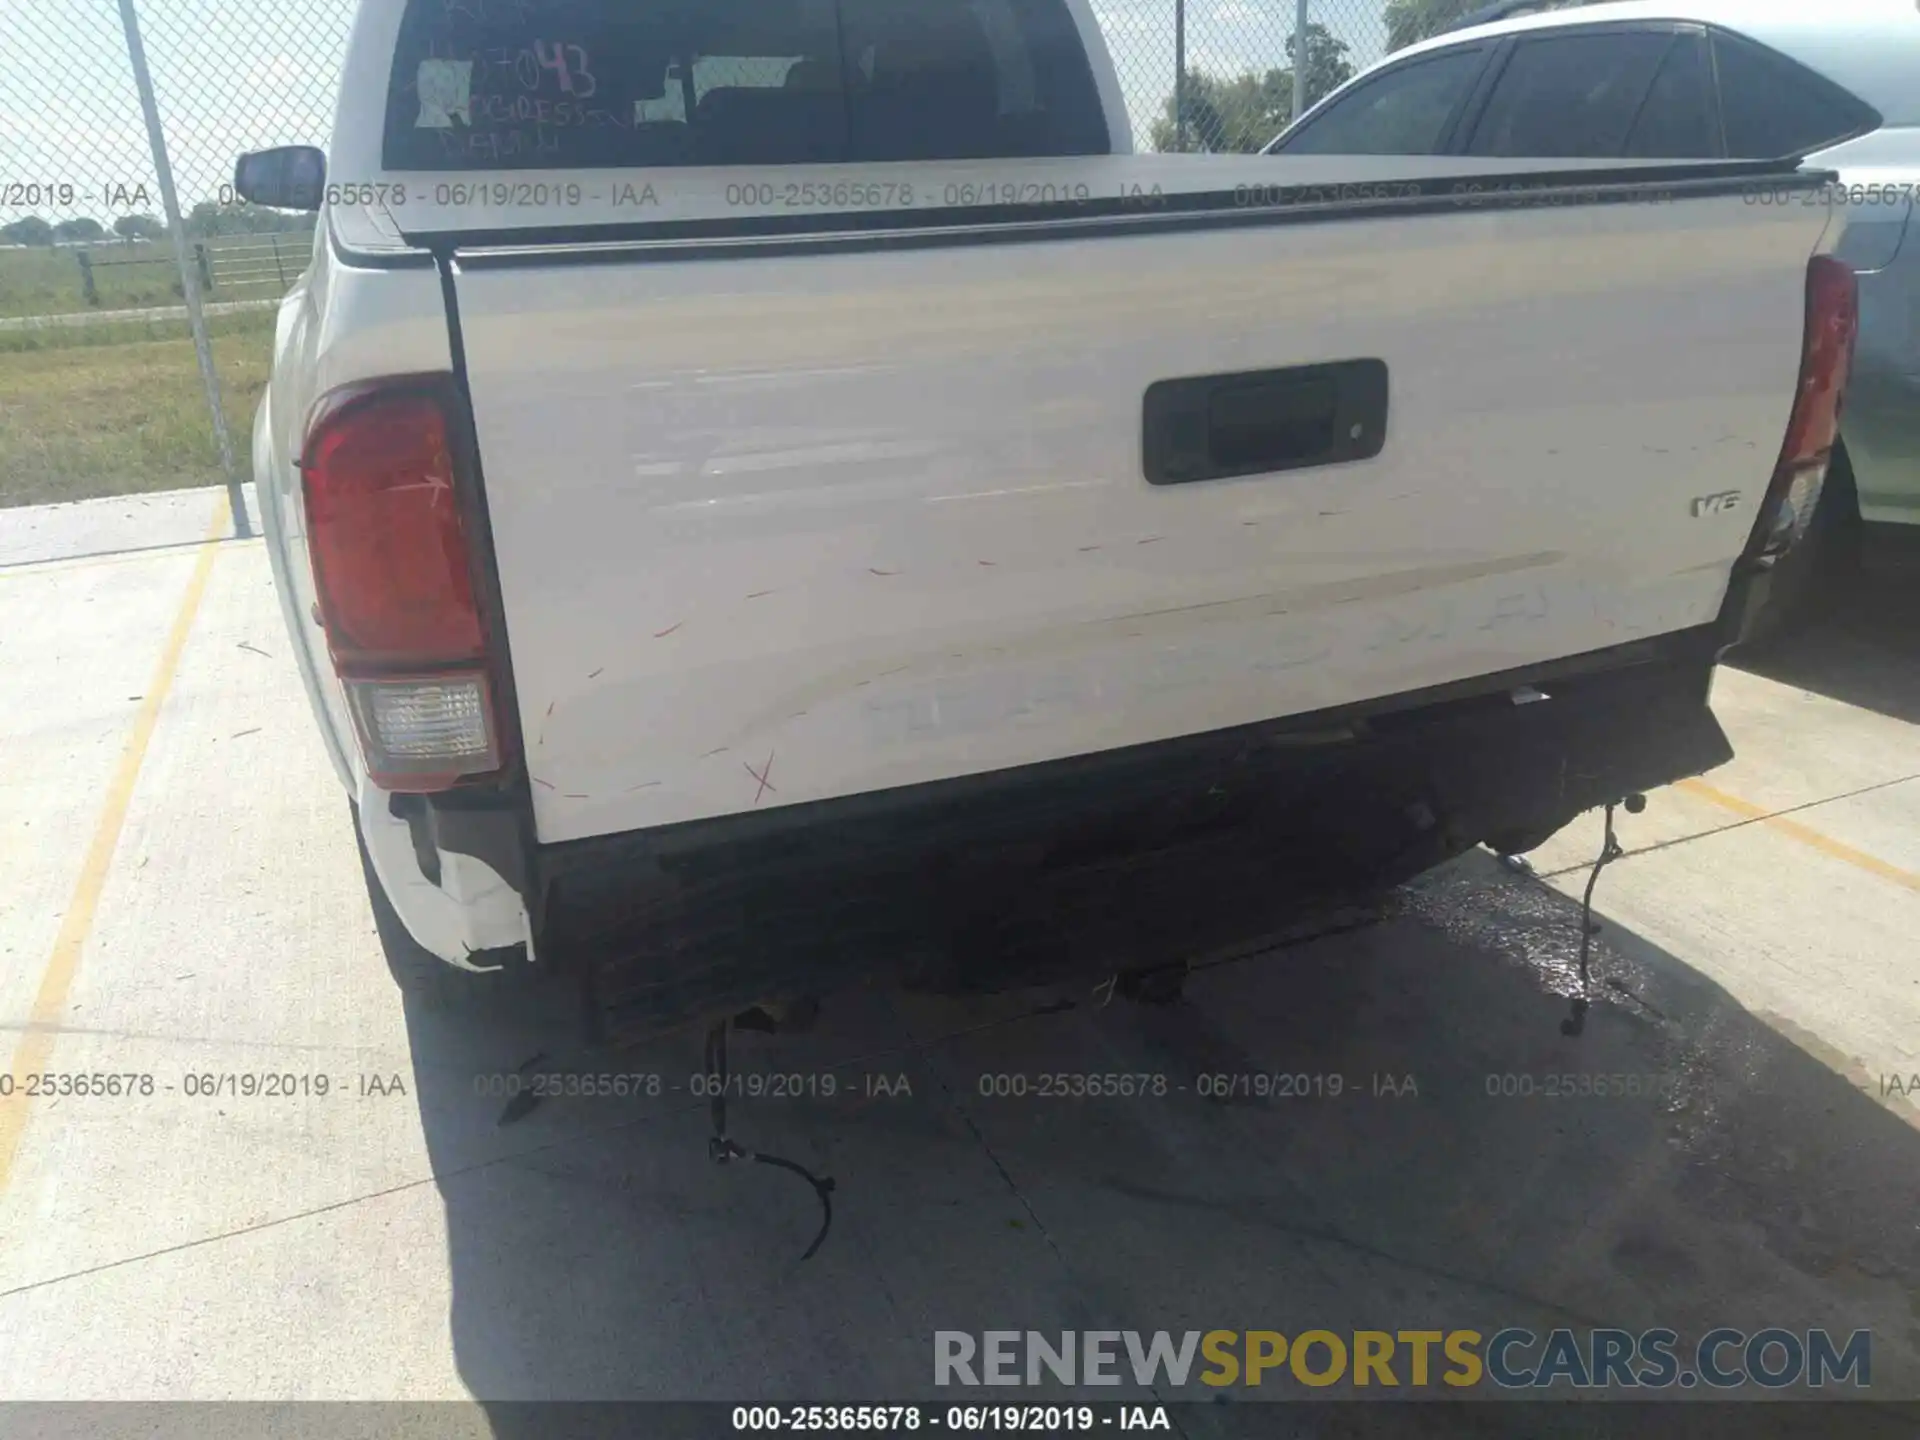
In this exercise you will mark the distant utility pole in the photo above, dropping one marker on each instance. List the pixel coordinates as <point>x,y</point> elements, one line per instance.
<point>1299,57</point>
<point>1180,74</point>
<point>189,273</point>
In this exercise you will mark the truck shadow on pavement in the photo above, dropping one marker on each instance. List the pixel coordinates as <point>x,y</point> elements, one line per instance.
<point>1438,1164</point>
<point>1862,649</point>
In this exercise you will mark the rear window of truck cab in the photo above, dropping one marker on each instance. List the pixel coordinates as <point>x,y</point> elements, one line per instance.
<point>563,84</point>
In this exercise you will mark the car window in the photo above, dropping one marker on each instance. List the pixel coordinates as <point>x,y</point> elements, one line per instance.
<point>1774,108</point>
<point>1676,119</point>
<point>502,84</point>
<point>1402,112</point>
<point>1570,96</point>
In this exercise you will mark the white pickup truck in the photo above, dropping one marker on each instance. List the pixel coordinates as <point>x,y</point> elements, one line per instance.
<point>771,496</point>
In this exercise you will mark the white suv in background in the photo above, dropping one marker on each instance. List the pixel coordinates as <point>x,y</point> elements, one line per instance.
<point>1837,83</point>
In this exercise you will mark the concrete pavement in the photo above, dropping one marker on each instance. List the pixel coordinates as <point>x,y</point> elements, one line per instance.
<point>183,903</point>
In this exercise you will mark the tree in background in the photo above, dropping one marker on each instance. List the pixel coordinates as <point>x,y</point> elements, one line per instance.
<point>1241,115</point>
<point>83,229</point>
<point>1328,67</point>
<point>29,230</point>
<point>1412,20</point>
<point>1225,115</point>
<point>210,217</point>
<point>1409,21</point>
<point>139,227</point>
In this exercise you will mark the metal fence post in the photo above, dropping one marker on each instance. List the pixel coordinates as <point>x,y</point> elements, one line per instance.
<point>189,279</point>
<point>1180,75</point>
<point>1299,58</point>
<point>87,290</point>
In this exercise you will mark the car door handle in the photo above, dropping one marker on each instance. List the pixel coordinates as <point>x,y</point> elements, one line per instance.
<point>1254,422</point>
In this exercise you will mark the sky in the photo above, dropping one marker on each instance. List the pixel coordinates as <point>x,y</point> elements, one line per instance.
<point>235,75</point>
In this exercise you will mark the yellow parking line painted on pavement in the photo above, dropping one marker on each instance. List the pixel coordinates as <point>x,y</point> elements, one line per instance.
<point>50,1003</point>
<point>1793,829</point>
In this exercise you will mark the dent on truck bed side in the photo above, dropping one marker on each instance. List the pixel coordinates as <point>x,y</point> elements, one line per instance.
<point>779,527</point>
<point>272,475</point>
<point>346,324</point>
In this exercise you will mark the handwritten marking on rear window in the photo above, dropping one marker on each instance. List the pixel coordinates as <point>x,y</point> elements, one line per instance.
<point>533,65</point>
<point>446,91</point>
<point>495,12</point>
<point>575,78</point>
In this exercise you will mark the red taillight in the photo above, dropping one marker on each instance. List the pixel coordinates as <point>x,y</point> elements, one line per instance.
<point>389,552</point>
<point>1826,358</point>
<point>394,579</point>
<point>1826,355</point>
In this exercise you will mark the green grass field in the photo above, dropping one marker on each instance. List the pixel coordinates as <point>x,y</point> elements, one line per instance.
<point>35,280</point>
<point>112,409</point>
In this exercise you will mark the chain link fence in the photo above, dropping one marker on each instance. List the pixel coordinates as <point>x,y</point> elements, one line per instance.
<point>136,291</point>
<point>76,165</point>
<point>114,375</point>
<point>1218,75</point>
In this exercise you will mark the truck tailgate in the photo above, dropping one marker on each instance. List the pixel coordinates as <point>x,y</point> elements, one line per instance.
<point>781,522</point>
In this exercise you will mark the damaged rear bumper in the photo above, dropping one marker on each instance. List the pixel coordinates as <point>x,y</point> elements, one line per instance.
<point>1124,859</point>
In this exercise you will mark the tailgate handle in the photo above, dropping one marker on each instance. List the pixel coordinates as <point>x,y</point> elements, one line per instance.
<point>1257,421</point>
